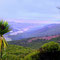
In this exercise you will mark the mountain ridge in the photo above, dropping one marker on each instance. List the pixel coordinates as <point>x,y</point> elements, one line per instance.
<point>48,30</point>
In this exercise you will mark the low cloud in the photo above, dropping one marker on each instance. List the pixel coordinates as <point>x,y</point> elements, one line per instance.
<point>21,31</point>
<point>15,33</point>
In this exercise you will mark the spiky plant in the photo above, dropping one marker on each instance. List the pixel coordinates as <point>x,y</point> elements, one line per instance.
<point>4,28</point>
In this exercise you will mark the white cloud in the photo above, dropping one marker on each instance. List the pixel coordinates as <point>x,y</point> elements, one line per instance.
<point>15,33</point>
<point>26,29</point>
<point>29,9</point>
<point>20,31</point>
<point>8,39</point>
<point>11,31</point>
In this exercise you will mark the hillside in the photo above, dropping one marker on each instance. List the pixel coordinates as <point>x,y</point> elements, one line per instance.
<point>35,44</point>
<point>48,51</point>
<point>15,52</point>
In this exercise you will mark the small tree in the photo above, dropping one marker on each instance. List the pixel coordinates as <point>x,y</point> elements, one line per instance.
<point>4,28</point>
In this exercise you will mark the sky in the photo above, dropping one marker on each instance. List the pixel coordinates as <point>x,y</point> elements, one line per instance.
<point>30,11</point>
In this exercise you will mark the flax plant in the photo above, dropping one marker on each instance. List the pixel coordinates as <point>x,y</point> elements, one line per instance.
<point>4,28</point>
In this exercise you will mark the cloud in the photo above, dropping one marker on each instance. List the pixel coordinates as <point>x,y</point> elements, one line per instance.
<point>20,31</point>
<point>11,31</point>
<point>15,33</point>
<point>26,29</point>
<point>30,10</point>
<point>38,21</point>
<point>8,39</point>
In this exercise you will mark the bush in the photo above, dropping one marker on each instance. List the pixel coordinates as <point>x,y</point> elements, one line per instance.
<point>49,51</point>
<point>32,56</point>
<point>50,47</point>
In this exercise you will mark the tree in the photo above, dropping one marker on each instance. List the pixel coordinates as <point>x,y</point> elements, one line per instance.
<point>50,47</point>
<point>49,51</point>
<point>4,28</point>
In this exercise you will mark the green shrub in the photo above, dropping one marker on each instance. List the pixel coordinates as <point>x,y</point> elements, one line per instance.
<point>49,51</point>
<point>50,47</point>
<point>32,56</point>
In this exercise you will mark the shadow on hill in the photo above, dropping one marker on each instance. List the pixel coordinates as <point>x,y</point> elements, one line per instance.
<point>49,56</point>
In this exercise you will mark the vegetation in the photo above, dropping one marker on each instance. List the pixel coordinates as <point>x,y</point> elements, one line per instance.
<point>36,44</point>
<point>49,51</point>
<point>50,47</point>
<point>45,49</point>
<point>4,28</point>
<point>15,52</point>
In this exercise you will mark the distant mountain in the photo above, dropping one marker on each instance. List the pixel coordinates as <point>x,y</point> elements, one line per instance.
<point>48,30</point>
<point>19,29</point>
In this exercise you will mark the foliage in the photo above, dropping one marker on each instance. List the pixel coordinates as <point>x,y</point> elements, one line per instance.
<point>50,47</point>
<point>15,52</point>
<point>36,44</point>
<point>4,28</point>
<point>49,51</point>
<point>32,56</point>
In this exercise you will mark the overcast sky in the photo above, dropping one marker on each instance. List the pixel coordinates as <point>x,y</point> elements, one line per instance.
<point>36,11</point>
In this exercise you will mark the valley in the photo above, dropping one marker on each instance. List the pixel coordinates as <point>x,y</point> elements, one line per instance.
<point>35,43</point>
